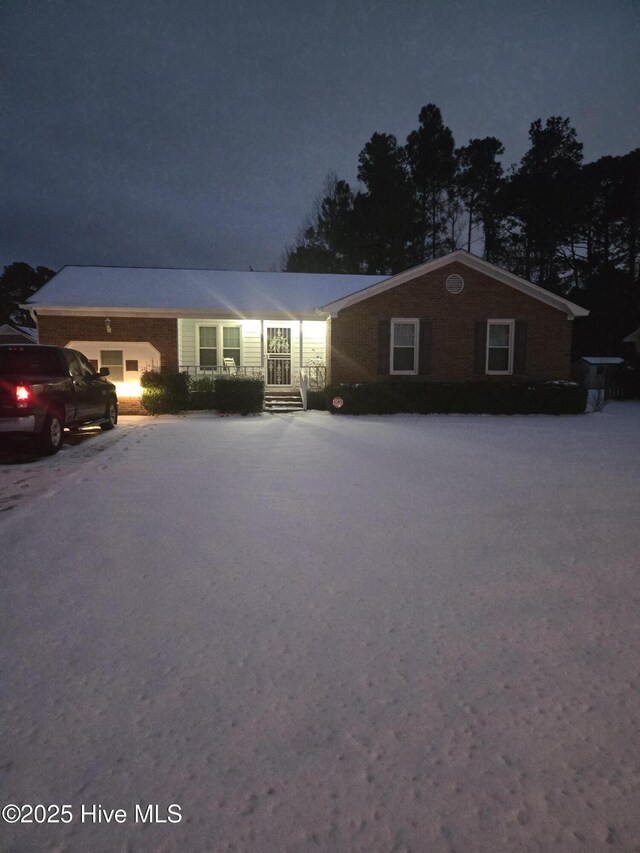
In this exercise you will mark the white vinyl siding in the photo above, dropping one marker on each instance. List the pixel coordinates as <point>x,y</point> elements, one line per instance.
<point>404,346</point>
<point>189,340</point>
<point>314,341</point>
<point>500,335</point>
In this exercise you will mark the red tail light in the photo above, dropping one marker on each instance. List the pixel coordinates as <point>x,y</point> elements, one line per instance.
<point>23,396</point>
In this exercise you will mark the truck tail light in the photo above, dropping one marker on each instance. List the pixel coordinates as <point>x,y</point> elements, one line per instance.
<point>23,396</point>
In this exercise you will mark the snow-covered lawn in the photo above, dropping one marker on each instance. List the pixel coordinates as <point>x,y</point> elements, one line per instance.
<point>327,633</point>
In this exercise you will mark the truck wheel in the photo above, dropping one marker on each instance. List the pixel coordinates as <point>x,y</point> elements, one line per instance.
<point>52,434</point>
<point>111,415</point>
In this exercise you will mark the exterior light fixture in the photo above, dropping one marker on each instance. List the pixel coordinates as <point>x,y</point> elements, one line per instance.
<point>107,325</point>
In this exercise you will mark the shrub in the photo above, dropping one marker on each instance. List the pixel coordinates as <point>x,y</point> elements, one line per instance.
<point>202,393</point>
<point>317,400</point>
<point>240,394</point>
<point>164,392</point>
<point>475,397</point>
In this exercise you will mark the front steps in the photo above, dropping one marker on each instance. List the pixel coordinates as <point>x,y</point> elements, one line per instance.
<point>282,401</point>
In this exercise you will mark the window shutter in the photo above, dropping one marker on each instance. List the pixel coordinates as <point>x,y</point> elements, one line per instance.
<point>520,347</point>
<point>384,346</point>
<point>480,354</point>
<point>424,354</point>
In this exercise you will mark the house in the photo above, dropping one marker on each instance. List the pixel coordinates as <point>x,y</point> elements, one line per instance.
<point>454,318</point>
<point>10,334</point>
<point>634,339</point>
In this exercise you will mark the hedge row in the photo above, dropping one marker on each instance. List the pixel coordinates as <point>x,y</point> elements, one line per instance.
<point>480,397</point>
<point>168,393</point>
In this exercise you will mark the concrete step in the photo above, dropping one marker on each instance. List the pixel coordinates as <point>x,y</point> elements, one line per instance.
<point>282,401</point>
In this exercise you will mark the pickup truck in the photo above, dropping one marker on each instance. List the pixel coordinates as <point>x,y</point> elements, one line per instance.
<point>44,389</point>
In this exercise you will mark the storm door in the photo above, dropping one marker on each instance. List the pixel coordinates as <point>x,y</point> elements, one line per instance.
<point>278,353</point>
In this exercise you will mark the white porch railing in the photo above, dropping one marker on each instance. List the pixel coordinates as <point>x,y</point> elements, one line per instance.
<point>316,374</point>
<point>304,387</point>
<point>312,377</point>
<point>201,372</point>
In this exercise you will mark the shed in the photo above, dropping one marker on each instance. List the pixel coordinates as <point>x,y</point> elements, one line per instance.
<point>10,334</point>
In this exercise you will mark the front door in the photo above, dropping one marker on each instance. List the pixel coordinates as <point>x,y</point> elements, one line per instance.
<point>278,353</point>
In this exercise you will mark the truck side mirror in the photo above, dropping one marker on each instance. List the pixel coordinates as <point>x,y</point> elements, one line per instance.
<point>104,371</point>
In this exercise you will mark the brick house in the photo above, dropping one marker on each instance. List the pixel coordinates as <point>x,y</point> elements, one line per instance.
<point>454,318</point>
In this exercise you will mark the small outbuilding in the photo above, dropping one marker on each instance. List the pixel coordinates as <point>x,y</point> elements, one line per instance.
<point>602,376</point>
<point>10,334</point>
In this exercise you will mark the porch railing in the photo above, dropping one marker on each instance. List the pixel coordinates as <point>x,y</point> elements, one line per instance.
<point>316,374</point>
<point>198,372</point>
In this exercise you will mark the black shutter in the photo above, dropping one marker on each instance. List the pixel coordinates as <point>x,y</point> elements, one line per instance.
<point>520,348</point>
<point>480,353</point>
<point>384,346</point>
<point>424,353</point>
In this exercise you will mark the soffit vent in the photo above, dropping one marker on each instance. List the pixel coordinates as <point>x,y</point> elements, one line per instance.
<point>455,283</point>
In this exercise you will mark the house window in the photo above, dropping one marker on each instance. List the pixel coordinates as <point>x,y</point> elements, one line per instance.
<point>404,346</point>
<point>231,343</point>
<point>208,346</point>
<point>500,346</point>
<point>112,358</point>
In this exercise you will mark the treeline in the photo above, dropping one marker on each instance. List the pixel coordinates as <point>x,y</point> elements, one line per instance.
<point>569,226</point>
<point>18,282</point>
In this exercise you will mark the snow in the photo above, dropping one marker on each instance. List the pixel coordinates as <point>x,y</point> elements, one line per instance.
<point>319,632</point>
<point>223,291</point>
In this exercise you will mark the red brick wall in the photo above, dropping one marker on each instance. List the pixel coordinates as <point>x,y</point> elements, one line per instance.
<point>354,332</point>
<point>159,331</point>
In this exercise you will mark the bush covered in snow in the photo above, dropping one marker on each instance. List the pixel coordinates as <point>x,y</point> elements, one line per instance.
<point>494,397</point>
<point>201,393</point>
<point>240,394</point>
<point>164,392</point>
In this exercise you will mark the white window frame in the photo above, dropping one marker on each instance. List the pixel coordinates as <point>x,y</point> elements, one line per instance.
<point>416,345</point>
<point>239,347</point>
<point>218,326</point>
<point>512,327</point>
<point>121,365</point>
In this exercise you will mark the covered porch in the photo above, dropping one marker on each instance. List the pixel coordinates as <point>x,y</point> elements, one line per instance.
<point>285,353</point>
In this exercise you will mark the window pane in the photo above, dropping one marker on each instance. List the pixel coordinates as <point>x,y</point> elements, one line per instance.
<point>231,336</point>
<point>30,362</point>
<point>403,358</point>
<point>498,335</point>
<point>208,336</point>
<point>232,353</point>
<point>499,359</point>
<point>112,358</point>
<point>208,357</point>
<point>73,364</point>
<point>404,334</point>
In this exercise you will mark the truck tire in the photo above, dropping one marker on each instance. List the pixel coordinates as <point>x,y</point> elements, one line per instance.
<point>52,434</point>
<point>111,415</point>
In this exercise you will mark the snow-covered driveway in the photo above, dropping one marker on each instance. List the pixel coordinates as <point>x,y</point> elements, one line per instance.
<point>318,633</point>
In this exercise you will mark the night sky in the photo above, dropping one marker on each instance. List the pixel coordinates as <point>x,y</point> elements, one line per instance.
<point>197,133</point>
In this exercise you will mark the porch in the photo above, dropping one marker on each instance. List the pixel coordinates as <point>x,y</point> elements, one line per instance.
<point>283,353</point>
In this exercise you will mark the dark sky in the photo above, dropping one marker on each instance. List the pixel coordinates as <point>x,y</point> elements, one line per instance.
<point>197,133</point>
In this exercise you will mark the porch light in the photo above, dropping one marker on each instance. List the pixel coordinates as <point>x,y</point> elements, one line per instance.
<point>107,325</point>
<point>128,389</point>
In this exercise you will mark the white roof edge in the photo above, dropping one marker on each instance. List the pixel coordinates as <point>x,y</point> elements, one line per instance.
<point>632,337</point>
<point>27,331</point>
<point>171,313</point>
<point>472,261</point>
